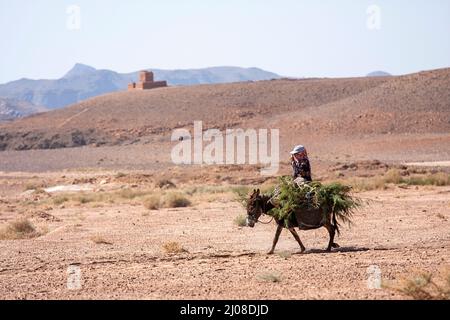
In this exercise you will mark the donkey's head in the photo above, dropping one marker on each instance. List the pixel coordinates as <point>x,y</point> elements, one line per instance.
<point>254,208</point>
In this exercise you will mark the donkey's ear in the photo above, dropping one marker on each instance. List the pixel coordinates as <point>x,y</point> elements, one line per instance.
<point>258,192</point>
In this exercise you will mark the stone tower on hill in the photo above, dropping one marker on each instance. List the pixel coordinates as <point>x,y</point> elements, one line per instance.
<point>146,81</point>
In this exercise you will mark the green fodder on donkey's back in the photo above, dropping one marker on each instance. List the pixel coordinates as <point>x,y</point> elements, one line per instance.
<point>330,198</point>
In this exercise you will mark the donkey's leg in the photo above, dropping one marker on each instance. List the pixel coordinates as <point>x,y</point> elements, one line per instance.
<point>295,234</point>
<point>332,231</point>
<point>275,240</point>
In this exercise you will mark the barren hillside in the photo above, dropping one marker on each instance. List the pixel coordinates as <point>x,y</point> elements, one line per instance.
<point>417,103</point>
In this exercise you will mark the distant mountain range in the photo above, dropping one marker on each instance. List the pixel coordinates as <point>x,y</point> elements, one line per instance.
<point>379,74</point>
<point>11,109</point>
<point>83,82</point>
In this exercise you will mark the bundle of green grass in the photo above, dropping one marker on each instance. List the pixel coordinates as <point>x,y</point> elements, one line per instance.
<point>333,198</point>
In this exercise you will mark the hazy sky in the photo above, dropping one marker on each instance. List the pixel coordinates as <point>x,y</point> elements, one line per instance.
<point>321,38</point>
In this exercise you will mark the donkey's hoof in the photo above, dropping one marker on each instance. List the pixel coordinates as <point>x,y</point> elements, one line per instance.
<point>270,252</point>
<point>335,245</point>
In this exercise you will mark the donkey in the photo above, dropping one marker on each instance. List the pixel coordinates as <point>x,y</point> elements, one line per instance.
<point>259,204</point>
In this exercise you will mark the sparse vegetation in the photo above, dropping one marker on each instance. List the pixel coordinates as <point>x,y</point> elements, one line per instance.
<point>270,277</point>
<point>176,200</point>
<point>394,176</point>
<point>35,186</point>
<point>18,229</point>
<point>130,194</point>
<point>173,248</point>
<point>60,200</point>
<point>240,220</point>
<point>152,202</point>
<point>425,286</point>
<point>436,179</point>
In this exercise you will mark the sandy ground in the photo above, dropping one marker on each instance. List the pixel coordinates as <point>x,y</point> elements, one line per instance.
<point>401,231</point>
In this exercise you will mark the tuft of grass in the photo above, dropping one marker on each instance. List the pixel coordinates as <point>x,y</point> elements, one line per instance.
<point>424,286</point>
<point>173,248</point>
<point>240,220</point>
<point>130,194</point>
<point>363,184</point>
<point>60,200</point>
<point>152,202</point>
<point>270,277</point>
<point>98,239</point>
<point>85,199</point>
<point>176,200</point>
<point>18,229</point>
<point>285,254</point>
<point>393,176</point>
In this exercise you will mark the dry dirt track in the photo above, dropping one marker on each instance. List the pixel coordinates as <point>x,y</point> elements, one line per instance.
<point>401,231</point>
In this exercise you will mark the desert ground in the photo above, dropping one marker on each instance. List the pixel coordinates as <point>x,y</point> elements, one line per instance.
<point>99,221</point>
<point>92,188</point>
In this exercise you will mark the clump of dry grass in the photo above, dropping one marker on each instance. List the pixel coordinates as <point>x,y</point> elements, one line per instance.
<point>18,229</point>
<point>176,200</point>
<point>240,220</point>
<point>98,239</point>
<point>58,200</point>
<point>285,254</point>
<point>393,176</point>
<point>120,196</point>
<point>436,179</point>
<point>130,194</point>
<point>173,248</point>
<point>270,277</point>
<point>35,186</point>
<point>396,177</point>
<point>424,286</point>
<point>152,202</point>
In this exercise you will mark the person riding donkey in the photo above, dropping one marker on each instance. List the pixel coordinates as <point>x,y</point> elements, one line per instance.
<point>300,165</point>
<point>301,171</point>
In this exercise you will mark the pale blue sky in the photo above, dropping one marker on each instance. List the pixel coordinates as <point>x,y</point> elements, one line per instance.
<point>321,38</point>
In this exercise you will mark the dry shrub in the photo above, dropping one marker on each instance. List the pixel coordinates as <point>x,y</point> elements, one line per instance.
<point>176,200</point>
<point>152,202</point>
<point>173,247</point>
<point>425,286</point>
<point>60,200</point>
<point>393,176</point>
<point>240,220</point>
<point>18,229</point>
